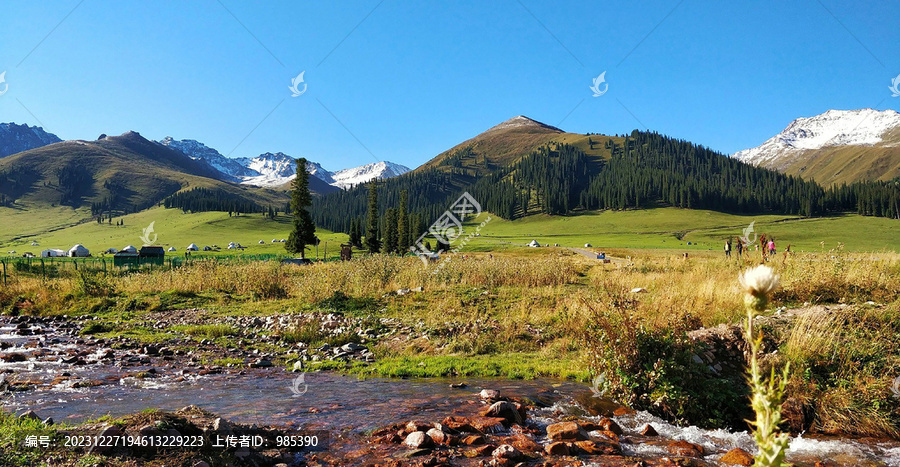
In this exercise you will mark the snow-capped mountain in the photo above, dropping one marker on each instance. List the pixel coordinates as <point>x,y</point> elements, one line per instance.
<point>17,138</point>
<point>231,168</point>
<point>864,127</point>
<point>274,169</point>
<point>357,175</point>
<point>271,169</point>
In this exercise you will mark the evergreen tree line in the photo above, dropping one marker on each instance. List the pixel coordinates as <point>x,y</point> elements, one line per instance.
<point>647,170</point>
<point>205,199</point>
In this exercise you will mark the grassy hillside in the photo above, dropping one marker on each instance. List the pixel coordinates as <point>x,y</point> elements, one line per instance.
<point>174,228</point>
<point>125,171</point>
<point>672,228</point>
<point>846,164</point>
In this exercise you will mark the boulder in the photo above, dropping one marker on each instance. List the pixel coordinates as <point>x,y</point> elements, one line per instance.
<point>416,425</point>
<point>438,436</point>
<point>472,440</point>
<point>508,411</point>
<point>598,448</point>
<point>737,456</point>
<point>106,433</point>
<point>685,449</point>
<point>418,440</point>
<point>489,394</point>
<point>569,431</point>
<point>609,425</point>
<point>505,451</point>
<point>557,448</point>
<point>648,430</point>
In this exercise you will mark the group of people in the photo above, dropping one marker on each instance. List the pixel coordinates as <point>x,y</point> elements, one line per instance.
<point>767,245</point>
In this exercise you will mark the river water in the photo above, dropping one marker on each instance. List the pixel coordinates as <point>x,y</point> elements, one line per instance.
<point>339,403</point>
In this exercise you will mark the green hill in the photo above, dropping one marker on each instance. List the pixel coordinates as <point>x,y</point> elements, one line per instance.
<point>110,176</point>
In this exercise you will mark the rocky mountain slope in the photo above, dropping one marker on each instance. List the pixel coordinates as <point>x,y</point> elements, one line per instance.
<point>838,146</point>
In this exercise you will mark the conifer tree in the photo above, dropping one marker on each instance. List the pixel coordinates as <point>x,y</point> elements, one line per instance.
<point>403,223</point>
<point>304,231</point>
<point>372,242</point>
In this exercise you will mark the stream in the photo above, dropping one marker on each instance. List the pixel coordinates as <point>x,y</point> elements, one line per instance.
<point>338,403</point>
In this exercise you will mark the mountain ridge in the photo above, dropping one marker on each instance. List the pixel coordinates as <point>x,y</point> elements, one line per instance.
<point>17,138</point>
<point>834,147</point>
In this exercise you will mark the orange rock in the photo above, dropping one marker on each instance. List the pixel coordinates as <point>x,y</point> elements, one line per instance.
<point>566,431</point>
<point>473,439</point>
<point>648,430</point>
<point>685,449</point>
<point>557,449</point>
<point>610,425</point>
<point>524,443</point>
<point>737,456</point>
<point>594,447</point>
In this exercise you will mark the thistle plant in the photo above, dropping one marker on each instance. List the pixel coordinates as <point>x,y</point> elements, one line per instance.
<point>767,393</point>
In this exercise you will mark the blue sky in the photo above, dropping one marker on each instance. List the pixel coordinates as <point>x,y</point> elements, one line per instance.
<point>403,81</point>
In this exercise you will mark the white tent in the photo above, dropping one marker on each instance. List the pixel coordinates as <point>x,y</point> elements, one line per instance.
<point>34,243</point>
<point>283,240</point>
<point>53,253</point>
<point>129,249</point>
<point>79,251</point>
<point>534,244</point>
<point>111,251</point>
<point>262,241</point>
<point>231,246</point>
<point>588,245</point>
<point>192,247</point>
<point>274,240</point>
<point>172,248</point>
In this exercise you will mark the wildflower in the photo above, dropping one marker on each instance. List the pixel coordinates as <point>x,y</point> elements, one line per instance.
<point>758,283</point>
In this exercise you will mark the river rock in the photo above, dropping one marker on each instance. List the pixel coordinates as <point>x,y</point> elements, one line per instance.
<point>418,440</point>
<point>472,440</point>
<point>598,448</point>
<point>737,456</point>
<point>436,435</point>
<point>200,464</point>
<point>509,411</point>
<point>489,394</point>
<point>648,430</point>
<point>609,425</point>
<point>685,449</point>
<point>523,443</point>
<point>566,431</point>
<point>505,451</point>
<point>29,415</point>
<point>220,425</point>
<point>415,425</point>
<point>557,448</point>
<point>487,424</point>
<point>13,357</point>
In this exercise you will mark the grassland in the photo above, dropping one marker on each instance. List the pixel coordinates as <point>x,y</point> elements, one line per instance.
<point>661,228</point>
<point>172,227</point>
<point>672,229</point>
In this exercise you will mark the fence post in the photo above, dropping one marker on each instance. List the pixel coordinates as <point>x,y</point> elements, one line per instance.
<point>4,271</point>
<point>43,271</point>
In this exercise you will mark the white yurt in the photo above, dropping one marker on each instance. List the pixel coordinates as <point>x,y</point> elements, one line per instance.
<point>534,244</point>
<point>172,248</point>
<point>53,253</point>
<point>34,243</point>
<point>79,251</point>
<point>274,240</point>
<point>192,247</point>
<point>111,251</point>
<point>283,240</point>
<point>262,242</point>
<point>588,245</point>
<point>129,249</point>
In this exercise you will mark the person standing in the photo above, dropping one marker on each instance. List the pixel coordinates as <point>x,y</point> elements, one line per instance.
<point>740,248</point>
<point>728,248</point>
<point>771,246</point>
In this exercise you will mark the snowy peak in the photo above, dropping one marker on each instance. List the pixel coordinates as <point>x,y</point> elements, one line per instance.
<point>17,138</point>
<point>231,168</point>
<point>365,173</point>
<point>864,127</point>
